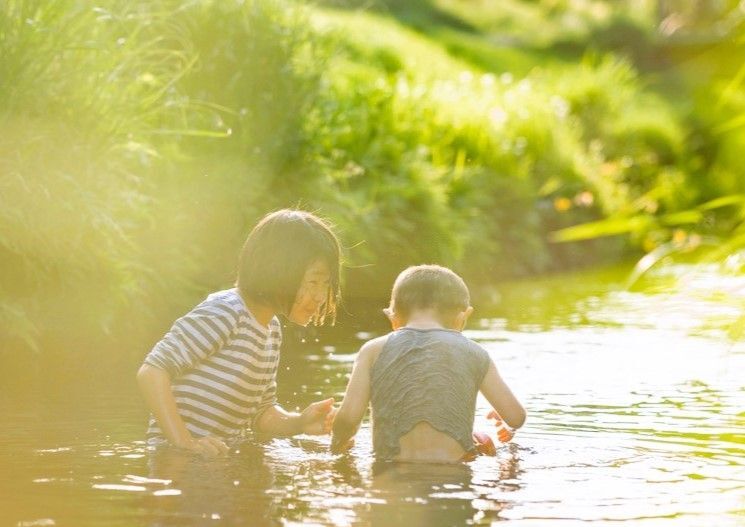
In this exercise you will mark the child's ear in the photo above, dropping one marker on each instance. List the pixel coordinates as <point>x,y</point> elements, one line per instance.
<point>462,317</point>
<point>393,317</point>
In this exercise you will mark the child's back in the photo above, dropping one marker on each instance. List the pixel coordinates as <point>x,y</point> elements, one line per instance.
<point>423,378</point>
<point>424,384</point>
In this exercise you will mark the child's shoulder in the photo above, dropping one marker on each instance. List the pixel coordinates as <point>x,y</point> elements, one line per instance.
<point>472,346</point>
<point>375,344</point>
<point>227,302</point>
<point>372,348</point>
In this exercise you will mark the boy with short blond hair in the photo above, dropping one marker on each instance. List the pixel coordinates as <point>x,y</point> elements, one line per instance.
<point>422,379</point>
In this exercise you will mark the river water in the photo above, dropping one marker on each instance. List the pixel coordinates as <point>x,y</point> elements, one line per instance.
<point>636,405</point>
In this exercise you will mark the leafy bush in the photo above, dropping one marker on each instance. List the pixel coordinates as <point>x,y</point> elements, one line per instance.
<point>139,142</point>
<point>115,206</point>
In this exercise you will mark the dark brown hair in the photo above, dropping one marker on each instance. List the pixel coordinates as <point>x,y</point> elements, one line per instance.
<point>276,255</point>
<point>429,287</point>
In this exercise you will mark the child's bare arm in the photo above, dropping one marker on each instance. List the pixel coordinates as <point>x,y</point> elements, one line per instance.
<point>155,385</point>
<point>315,420</point>
<point>501,398</point>
<point>356,397</point>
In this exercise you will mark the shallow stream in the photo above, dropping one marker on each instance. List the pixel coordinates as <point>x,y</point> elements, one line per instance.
<point>636,406</point>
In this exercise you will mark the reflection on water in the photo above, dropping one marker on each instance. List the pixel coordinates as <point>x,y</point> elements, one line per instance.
<point>636,415</point>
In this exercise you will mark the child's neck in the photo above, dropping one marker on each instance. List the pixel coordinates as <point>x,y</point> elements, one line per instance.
<point>424,320</point>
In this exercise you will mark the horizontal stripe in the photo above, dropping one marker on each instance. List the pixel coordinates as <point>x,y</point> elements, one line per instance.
<point>249,331</point>
<point>209,417</point>
<point>181,349</point>
<point>235,349</point>
<point>159,362</point>
<point>235,382</point>
<point>189,393</point>
<point>239,358</point>
<point>218,329</point>
<point>217,388</point>
<point>223,365</point>
<point>195,386</point>
<point>199,341</point>
<point>221,311</point>
<point>252,325</point>
<point>247,340</point>
<point>203,422</point>
<point>240,369</point>
<point>220,326</point>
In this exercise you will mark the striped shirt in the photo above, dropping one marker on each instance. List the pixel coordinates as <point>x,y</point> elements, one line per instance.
<point>223,367</point>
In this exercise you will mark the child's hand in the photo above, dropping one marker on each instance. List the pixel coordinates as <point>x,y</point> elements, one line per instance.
<point>340,448</point>
<point>329,420</point>
<point>504,432</point>
<point>207,446</point>
<point>483,444</point>
<point>317,418</point>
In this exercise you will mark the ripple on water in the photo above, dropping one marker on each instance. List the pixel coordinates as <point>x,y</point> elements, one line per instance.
<point>635,416</point>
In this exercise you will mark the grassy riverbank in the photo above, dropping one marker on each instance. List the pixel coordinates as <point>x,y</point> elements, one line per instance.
<point>141,140</point>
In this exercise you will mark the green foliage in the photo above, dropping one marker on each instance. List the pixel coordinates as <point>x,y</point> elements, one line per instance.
<point>139,141</point>
<point>499,152</point>
<point>688,180</point>
<point>71,120</point>
<point>108,214</point>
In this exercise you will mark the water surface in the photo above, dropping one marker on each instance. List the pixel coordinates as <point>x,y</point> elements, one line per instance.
<point>636,409</point>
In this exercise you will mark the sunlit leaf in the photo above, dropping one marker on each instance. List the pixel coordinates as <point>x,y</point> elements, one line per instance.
<point>730,125</point>
<point>682,218</point>
<point>599,229</point>
<point>661,252</point>
<point>724,201</point>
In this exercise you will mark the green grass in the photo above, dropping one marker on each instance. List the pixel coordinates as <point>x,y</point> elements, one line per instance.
<point>139,142</point>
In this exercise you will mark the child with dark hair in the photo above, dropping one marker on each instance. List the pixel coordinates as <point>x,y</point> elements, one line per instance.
<point>422,379</point>
<point>214,373</point>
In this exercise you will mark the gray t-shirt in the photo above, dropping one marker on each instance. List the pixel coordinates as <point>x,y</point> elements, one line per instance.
<point>430,375</point>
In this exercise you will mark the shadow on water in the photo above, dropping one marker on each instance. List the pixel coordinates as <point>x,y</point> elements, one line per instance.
<point>233,489</point>
<point>415,494</point>
<point>252,488</point>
